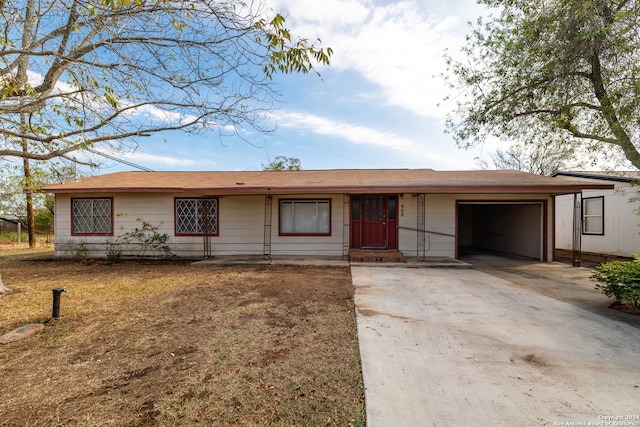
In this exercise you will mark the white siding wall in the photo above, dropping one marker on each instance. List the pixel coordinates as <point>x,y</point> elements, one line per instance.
<point>440,216</point>
<point>240,225</point>
<point>240,228</point>
<point>564,221</point>
<point>408,223</point>
<point>154,209</point>
<point>621,233</point>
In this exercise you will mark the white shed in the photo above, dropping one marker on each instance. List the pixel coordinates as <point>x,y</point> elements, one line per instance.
<point>606,220</point>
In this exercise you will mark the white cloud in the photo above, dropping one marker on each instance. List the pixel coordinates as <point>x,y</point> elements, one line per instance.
<point>147,158</point>
<point>420,152</point>
<point>158,114</point>
<point>398,46</point>
<point>353,133</point>
<point>322,15</point>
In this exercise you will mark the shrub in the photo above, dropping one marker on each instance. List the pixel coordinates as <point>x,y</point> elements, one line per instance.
<point>146,239</point>
<point>143,241</point>
<point>114,253</point>
<point>80,252</point>
<point>619,279</point>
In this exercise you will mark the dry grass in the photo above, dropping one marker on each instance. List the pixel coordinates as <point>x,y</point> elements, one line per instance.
<point>169,343</point>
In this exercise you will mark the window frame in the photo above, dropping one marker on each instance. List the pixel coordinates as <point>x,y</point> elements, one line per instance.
<point>584,217</point>
<point>323,200</point>
<point>92,233</point>
<point>175,216</point>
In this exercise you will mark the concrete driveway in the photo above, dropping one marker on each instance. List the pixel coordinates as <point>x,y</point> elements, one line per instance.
<point>456,347</point>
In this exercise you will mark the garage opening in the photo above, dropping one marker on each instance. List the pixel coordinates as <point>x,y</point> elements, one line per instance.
<point>505,228</point>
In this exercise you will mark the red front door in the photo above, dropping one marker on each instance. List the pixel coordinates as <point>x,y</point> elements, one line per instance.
<point>374,221</point>
<point>374,230</point>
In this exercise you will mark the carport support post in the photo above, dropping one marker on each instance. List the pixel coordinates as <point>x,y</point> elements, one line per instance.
<point>577,230</point>
<point>421,228</point>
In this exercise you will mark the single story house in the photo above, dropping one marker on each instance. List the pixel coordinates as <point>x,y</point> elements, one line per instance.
<point>607,219</point>
<point>418,212</point>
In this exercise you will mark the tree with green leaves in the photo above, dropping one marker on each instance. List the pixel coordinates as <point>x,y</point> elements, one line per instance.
<point>557,71</point>
<point>15,201</point>
<point>81,74</point>
<point>283,163</point>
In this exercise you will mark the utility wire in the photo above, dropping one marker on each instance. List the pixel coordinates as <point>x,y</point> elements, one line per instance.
<point>126,162</point>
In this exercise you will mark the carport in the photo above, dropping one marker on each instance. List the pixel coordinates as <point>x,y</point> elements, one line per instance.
<point>507,227</point>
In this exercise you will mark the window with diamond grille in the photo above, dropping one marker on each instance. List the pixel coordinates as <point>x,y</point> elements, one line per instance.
<point>193,216</point>
<point>92,216</point>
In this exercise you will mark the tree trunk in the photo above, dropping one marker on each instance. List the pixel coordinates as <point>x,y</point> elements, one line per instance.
<point>3,288</point>
<point>21,84</point>
<point>31,223</point>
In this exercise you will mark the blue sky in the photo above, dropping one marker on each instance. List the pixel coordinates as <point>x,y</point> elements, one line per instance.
<point>376,106</point>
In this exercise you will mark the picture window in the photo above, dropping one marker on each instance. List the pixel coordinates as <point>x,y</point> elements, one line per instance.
<point>305,217</point>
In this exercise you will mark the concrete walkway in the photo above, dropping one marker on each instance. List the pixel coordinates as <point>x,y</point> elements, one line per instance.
<point>282,260</point>
<point>445,347</point>
<point>432,262</point>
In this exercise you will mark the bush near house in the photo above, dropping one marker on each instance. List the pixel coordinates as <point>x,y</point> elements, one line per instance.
<point>142,241</point>
<point>619,279</point>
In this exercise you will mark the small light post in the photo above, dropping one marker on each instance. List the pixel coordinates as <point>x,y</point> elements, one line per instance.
<point>55,314</point>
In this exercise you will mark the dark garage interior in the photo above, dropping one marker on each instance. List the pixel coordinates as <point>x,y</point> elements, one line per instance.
<point>506,228</point>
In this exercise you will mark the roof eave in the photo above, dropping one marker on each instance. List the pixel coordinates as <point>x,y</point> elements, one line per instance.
<point>586,175</point>
<point>443,189</point>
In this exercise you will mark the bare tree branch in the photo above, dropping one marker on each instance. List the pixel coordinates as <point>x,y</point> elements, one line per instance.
<point>88,74</point>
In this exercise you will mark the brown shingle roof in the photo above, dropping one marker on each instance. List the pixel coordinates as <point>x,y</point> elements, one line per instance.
<point>317,181</point>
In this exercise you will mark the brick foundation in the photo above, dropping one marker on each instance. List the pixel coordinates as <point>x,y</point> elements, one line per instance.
<point>588,258</point>
<point>361,255</point>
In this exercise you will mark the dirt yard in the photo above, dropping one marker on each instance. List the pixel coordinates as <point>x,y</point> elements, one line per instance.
<point>167,343</point>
